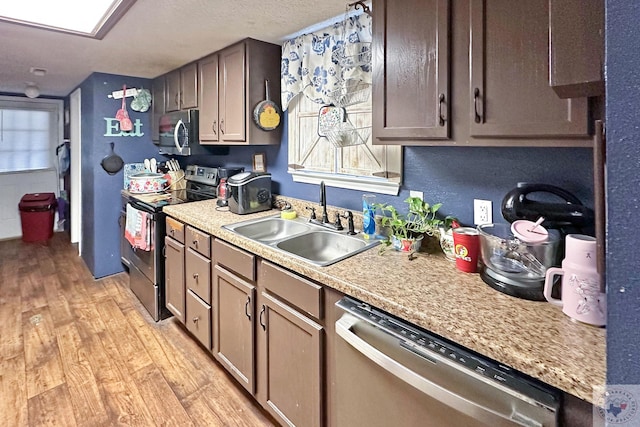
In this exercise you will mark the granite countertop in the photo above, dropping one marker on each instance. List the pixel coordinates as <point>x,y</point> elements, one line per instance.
<point>533,337</point>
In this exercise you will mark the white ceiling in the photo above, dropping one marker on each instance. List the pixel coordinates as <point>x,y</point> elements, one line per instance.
<point>154,36</point>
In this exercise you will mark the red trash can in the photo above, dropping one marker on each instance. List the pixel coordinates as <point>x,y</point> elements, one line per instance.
<point>37,213</point>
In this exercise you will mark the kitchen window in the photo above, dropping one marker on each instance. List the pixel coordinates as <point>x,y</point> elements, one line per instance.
<point>326,89</point>
<point>29,133</point>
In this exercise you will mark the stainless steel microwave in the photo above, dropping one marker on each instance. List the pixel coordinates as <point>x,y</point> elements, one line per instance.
<point>179,135</point>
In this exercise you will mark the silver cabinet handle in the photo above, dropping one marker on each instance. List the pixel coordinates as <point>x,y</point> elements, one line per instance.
<point>195,319</point>
<point>195,276</point>
<point>480,412</point>
<point>195,243</point>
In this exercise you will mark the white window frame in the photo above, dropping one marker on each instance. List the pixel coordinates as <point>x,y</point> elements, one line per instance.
<point>369,184</point>
<point>54,106</point>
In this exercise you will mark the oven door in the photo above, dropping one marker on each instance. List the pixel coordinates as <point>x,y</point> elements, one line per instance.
<point>147,261</point>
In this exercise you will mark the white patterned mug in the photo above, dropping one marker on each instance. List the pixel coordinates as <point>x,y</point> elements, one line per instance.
<point>581,298</point>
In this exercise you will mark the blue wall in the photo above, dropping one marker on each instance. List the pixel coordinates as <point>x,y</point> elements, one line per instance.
<point>453,176</point>
<point>622,67</point>
<point>101,191</point>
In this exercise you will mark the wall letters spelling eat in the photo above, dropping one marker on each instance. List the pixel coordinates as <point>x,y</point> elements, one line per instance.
<point>113,128</point>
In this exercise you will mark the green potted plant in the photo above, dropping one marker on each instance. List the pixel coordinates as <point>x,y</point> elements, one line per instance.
<point>405,231</point>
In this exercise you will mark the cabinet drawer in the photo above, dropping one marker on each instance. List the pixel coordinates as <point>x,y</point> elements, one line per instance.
<point>198,241</point>
<point>234,259</point>
<point>175,229</point>
<point>198,274</point>
<point>296,290</point>
<point>198,320</point>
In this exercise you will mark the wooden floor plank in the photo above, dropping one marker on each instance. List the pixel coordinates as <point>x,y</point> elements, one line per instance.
<point>13,394</point>
<point>32,291</point>
<point>66,328</point>
<point>123,403</point>
<point>52,408</point>
<point>11,339</point>
<point>85,394</point>
<point>42,359</point>
<point>183,376</point>
<point>57,302</point>
<point>129,348</point>
<point>167,411</point>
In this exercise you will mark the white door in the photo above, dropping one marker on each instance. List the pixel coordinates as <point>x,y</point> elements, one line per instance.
<point>76,156</point>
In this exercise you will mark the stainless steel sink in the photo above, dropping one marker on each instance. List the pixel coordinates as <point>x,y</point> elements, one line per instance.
<point>301,239</point>
<point>270,229</point>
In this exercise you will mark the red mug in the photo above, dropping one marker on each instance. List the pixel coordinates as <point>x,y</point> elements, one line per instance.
<point>466,242</point>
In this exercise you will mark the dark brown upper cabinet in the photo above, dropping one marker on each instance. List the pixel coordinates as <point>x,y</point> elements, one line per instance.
<point>577,47</point>
<point>471,73</point>
<point>232,83</point>
<point>181,87</point>
<point>509,68</point>
<point>157,106</point>
<point>209,71</point>
<point>410,97</point>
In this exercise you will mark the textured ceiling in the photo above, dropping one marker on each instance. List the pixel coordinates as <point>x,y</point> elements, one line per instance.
<point>155,36</point>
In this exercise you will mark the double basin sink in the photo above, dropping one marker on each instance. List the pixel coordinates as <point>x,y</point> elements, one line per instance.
<point>302,239</point>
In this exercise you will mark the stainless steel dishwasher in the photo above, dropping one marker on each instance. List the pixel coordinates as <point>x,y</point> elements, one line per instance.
<point>392,373</point>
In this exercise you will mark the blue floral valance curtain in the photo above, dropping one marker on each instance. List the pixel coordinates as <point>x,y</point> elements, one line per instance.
<point>309,66</point>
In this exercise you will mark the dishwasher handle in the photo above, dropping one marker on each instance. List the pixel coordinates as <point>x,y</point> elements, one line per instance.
<point>473,409</point>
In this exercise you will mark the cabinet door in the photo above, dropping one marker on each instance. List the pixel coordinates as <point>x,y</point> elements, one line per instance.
<point>577,47</point>
<point>509,74</point>
<point>172,90</point>
<point>410,70</point>
<point>174,277</point>
<point>233,326</point>
<point>157,106</point>
<point>189,86</point>
<point>292,358</point>
<point>232,104</point>
<point>208,85</point>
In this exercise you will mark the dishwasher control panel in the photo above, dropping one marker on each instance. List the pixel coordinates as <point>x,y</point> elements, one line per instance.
<point>437,349</point>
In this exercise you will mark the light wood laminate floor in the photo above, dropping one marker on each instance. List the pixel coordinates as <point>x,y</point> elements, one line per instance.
<point>75,351</point>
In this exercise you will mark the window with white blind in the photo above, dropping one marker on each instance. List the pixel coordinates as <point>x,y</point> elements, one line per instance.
<point>30,131</point>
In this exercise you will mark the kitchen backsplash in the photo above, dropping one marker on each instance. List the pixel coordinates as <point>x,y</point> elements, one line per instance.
<point>453,176</point>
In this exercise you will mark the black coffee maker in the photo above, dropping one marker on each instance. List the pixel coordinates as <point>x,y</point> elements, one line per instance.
<point>518,268</point>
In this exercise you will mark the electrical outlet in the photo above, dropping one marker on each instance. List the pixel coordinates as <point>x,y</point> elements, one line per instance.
<point>482,212</point>
<point>418,194</point>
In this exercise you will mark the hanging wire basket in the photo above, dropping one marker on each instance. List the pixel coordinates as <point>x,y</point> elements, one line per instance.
<point>346,135</point>
<point>351,91</point>
<point>351,55</point>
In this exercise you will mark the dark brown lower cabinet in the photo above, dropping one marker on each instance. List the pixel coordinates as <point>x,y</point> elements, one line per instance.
<point>290,363</point>
<point>174,277</point>
<point>234,325</point>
